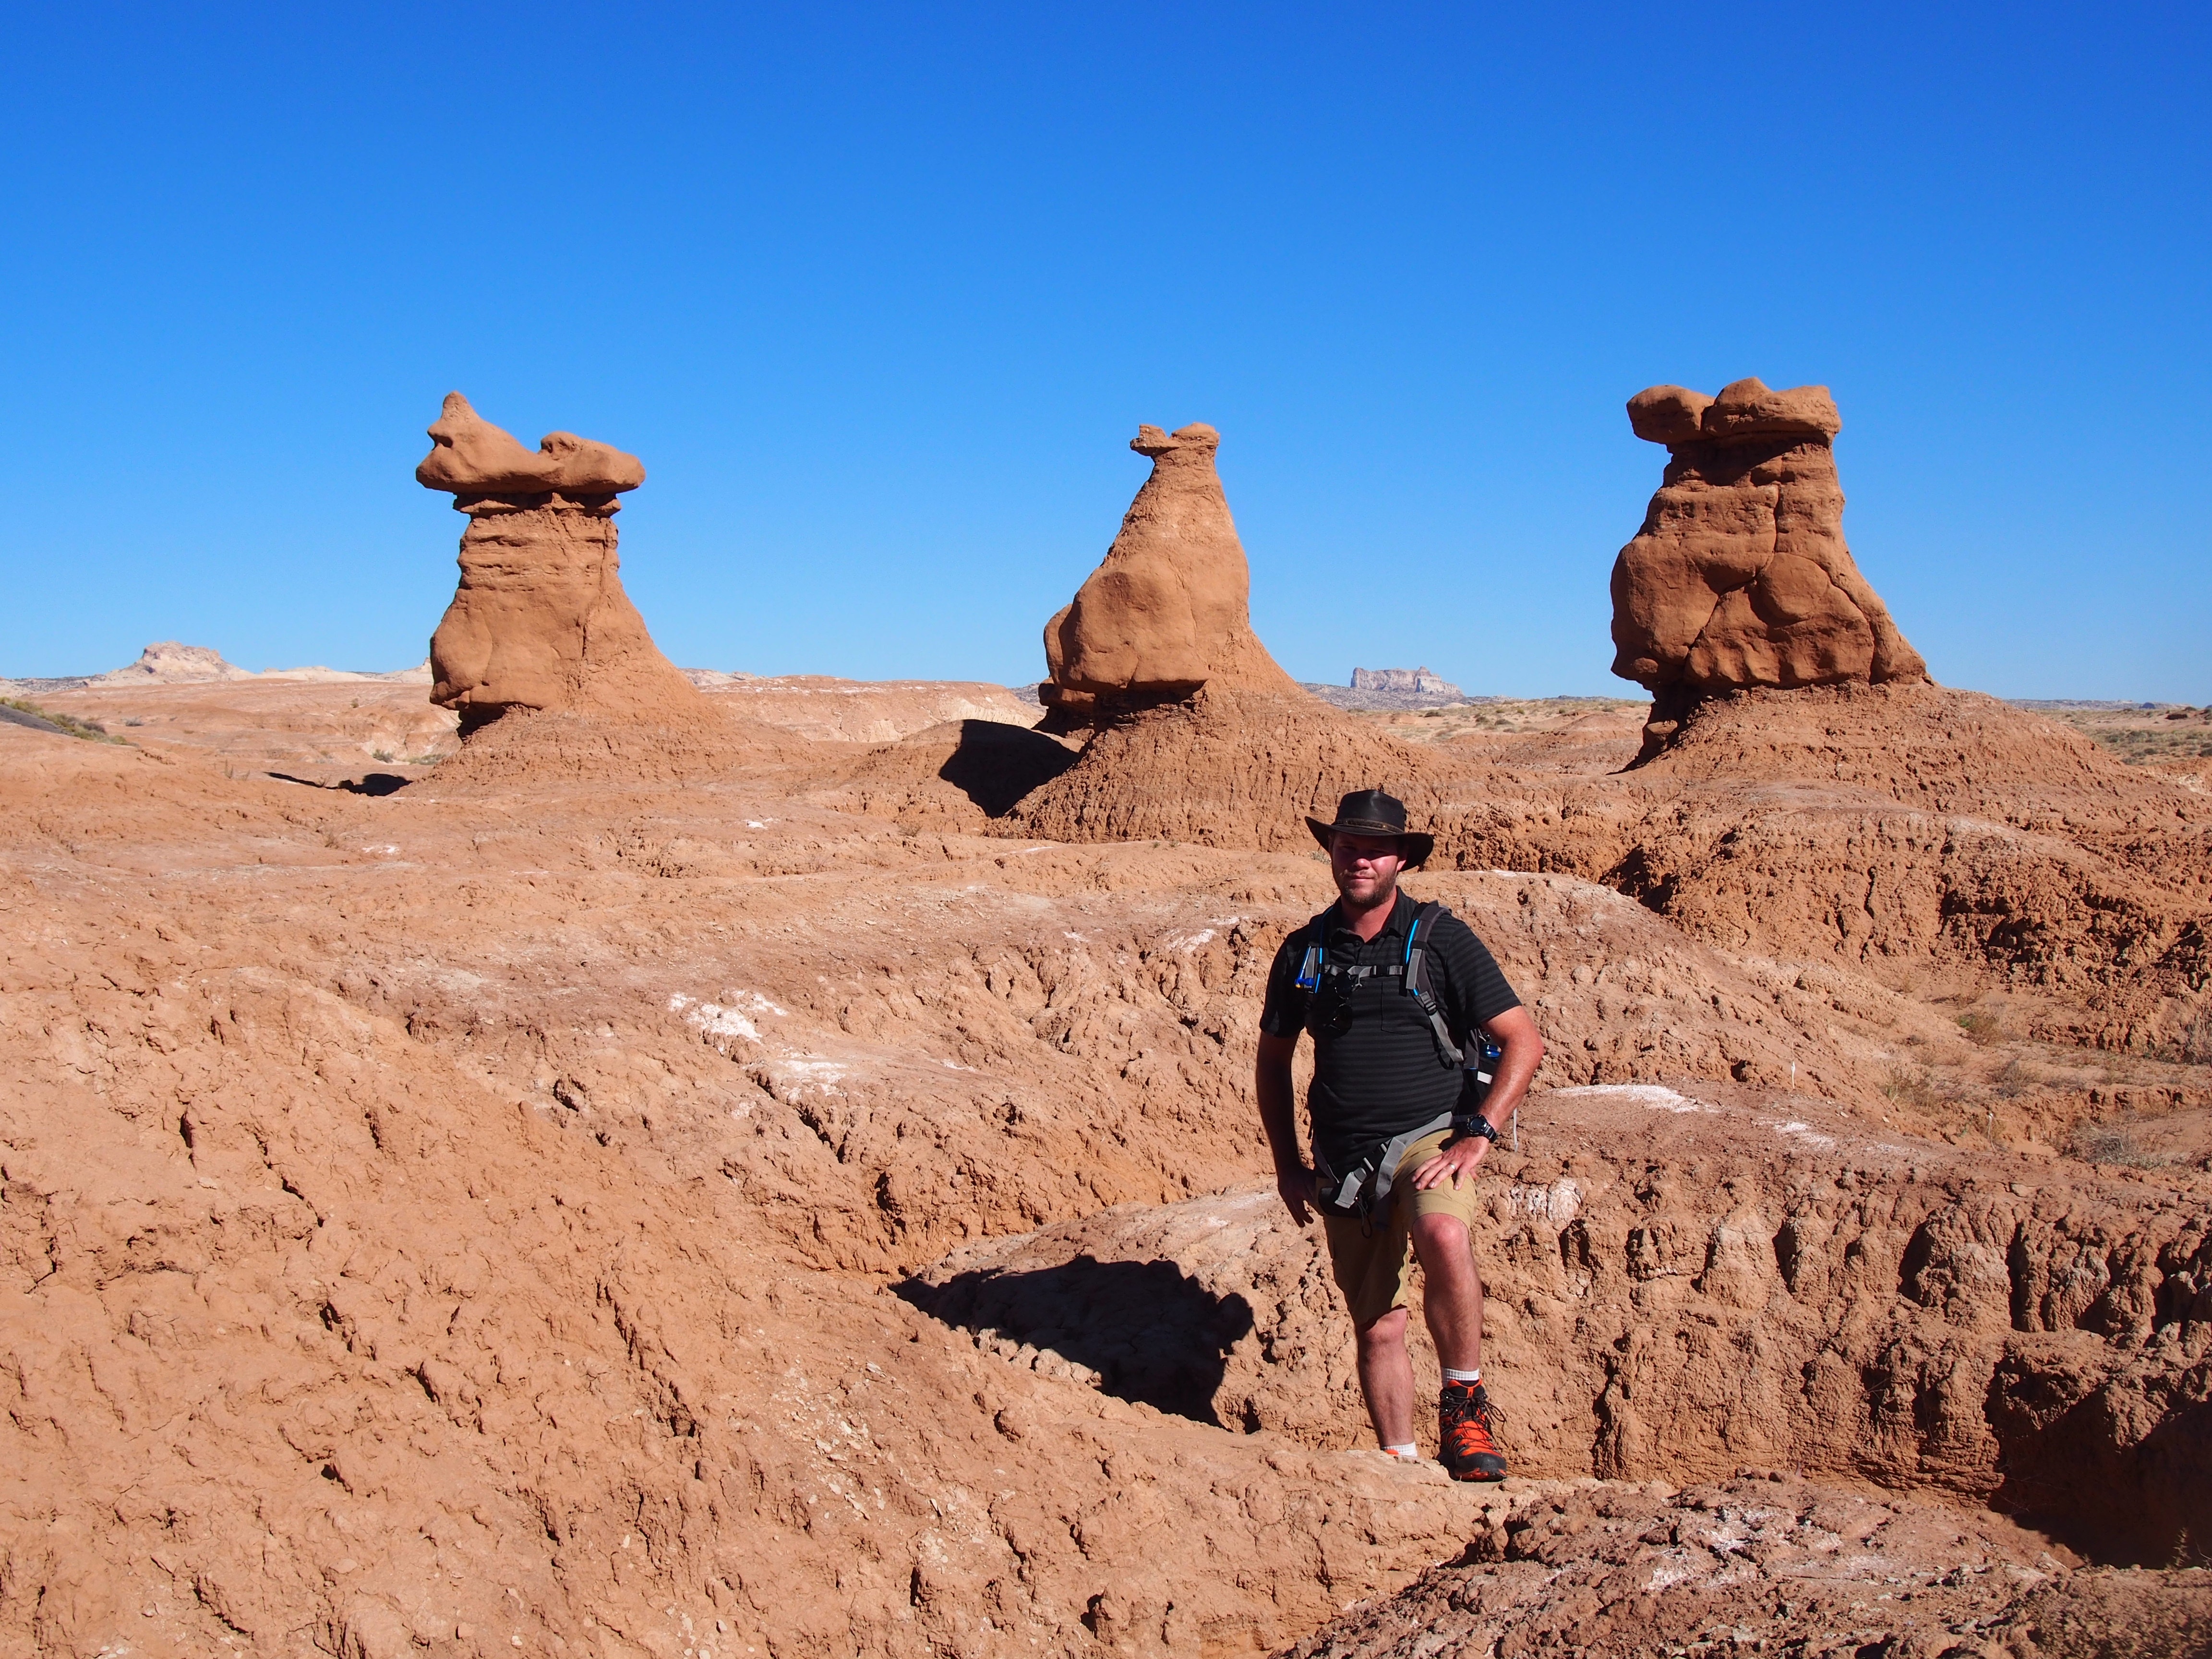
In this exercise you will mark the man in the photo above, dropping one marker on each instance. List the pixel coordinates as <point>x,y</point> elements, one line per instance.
<point>1393,1168</point>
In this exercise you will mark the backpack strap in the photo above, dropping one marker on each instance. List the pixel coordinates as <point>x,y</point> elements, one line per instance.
<point>1365,1189</point>
<point>1316,951</point>
<point>1481,1054</point>
<point>1417,981</point>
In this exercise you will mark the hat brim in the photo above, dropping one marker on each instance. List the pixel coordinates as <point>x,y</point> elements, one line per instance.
<point>1414,846</point>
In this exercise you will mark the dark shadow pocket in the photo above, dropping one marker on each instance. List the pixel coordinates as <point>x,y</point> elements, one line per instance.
<point>995,764</point>
<point>1153,1333</point>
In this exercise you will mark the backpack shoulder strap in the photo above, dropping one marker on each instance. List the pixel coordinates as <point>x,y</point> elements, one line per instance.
<point>1314,954</point>
<point>1426,919</point>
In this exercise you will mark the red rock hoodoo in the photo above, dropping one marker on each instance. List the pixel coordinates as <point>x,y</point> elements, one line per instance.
<point>1740,577</point>
<point>540,621</point>
<point>1169,609</point>
<point>1196,733</point>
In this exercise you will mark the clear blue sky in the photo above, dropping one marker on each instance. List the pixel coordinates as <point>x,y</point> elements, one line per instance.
<point>880,294</point>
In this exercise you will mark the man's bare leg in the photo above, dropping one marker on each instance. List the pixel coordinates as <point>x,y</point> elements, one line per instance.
<point>1452,1298</point>
<point>1386,1378</point>
<point>1451,1292</point>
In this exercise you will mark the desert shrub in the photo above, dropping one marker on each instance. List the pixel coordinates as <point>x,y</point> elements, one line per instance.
<point>2197,1041</point>
<point>1978,1026</point>
<point>1912,1085</point>
<point>2108,1143</point>
<point>2014,1081</point>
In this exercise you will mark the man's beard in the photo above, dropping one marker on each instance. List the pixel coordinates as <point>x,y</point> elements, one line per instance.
<point>1385,890</point>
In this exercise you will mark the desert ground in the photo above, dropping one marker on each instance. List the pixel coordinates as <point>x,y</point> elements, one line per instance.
<point>805,1208</point>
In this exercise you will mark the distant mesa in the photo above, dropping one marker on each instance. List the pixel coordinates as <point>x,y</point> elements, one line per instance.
<point>1169,610</point>
<point>540,621</point>
<point>1419,681</point>
<point>1740,577</point>
<point>167,662</point>
<point>1388,691</point>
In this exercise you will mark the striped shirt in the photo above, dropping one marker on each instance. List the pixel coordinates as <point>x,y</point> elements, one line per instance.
<point>1384,1075</point>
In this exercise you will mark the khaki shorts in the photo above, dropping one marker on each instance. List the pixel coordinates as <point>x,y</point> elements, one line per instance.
<point>1370,1268</point>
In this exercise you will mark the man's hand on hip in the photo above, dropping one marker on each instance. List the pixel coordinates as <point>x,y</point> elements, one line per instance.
<point>1455,1162</point>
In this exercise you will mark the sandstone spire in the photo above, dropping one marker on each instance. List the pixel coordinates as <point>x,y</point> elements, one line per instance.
<point>1169,609</point>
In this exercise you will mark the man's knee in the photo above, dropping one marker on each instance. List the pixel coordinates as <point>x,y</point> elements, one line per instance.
<point>1444,1245</point>
<point>1384,1331</point>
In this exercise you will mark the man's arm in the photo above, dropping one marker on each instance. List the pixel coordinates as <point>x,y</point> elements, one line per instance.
<point>1515,1031</point>
<point>1278,1117</point>
<point>1522,1052</point>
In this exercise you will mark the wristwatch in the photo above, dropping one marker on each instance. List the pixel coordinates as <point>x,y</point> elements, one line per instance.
<point>1478,1125</point>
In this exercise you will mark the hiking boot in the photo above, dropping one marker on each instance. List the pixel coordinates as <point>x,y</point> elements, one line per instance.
<point>1465,1417</point>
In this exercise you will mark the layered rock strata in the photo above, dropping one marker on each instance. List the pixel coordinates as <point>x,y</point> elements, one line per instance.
<point>1902,828</point>
<point>407,1203</point>
<point>540,621</point>
<point>1169,609</point>
<point>1765,1564</point>
<point>1740,577</point>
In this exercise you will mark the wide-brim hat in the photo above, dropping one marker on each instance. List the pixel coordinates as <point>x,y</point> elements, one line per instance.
<point>1372,812</point>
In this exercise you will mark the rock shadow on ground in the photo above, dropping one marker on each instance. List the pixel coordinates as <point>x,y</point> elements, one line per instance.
<point>995,764</point>
<point>1153,1334</point>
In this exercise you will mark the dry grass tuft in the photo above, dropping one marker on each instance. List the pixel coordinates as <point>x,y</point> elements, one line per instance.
<point>1979,1027</point>
<point>90,732</point>
<point>1913,1087</point>
<point>2108,1143</point>
<point>2197,1041</point>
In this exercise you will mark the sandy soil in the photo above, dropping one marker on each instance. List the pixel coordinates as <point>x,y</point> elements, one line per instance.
<point>327,731</point>
<point>320,730</point>
<point>777,1211</point>
<point>1493,716</point>
<point>2139,733</point>
<point>827,709</point>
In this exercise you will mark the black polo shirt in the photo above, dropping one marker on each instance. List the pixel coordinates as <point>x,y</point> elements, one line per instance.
<point>1384,1075</point>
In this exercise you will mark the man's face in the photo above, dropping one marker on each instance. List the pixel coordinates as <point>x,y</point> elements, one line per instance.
<point>1365,867</point>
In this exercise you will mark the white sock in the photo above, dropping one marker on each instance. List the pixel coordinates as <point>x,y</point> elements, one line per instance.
<point>1475,1376</point>
<point>1411,1452</point>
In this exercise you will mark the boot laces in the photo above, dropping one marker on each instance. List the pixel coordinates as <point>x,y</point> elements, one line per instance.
<point>1463,1414</point>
